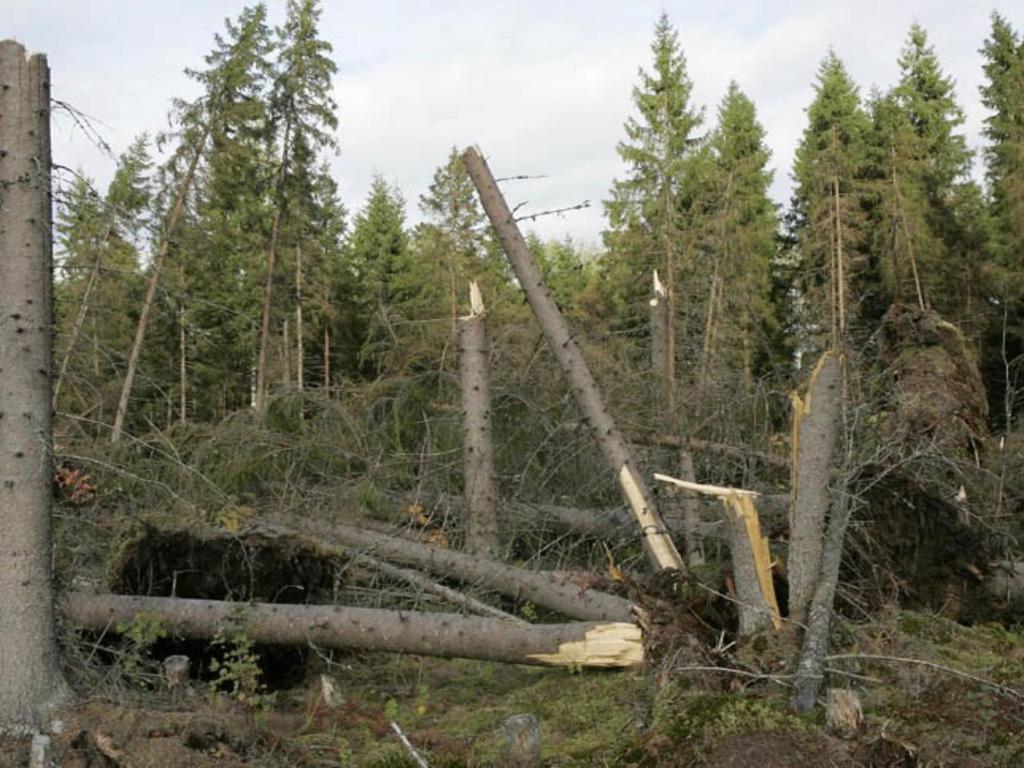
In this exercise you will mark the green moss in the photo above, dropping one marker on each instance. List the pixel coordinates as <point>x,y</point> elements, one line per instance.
<point>701,719</point>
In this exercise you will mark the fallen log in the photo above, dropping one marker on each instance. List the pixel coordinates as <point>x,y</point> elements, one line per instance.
<point>583,644</point>
<point>555,592</point>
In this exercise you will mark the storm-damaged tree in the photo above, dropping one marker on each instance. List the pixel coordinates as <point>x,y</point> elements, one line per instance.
<point>302,119</point>
<point>30,678</point>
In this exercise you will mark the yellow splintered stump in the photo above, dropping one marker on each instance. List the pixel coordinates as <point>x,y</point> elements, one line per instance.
<point>615,645</point>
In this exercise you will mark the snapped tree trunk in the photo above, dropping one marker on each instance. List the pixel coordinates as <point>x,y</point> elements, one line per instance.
<point>154,280</point>
<point>557,592</point>
<point>816,422</point>
<point>586,644</point>
<point>30,677</point>
<point>481,490</point>
<point>661,551</point>
<point>661,353</point>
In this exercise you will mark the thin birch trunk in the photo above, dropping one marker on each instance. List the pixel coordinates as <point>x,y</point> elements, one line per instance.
<point>286,356</point>
<point>182,368</point>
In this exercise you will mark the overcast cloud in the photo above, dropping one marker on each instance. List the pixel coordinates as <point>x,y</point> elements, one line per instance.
<point>542,87</point>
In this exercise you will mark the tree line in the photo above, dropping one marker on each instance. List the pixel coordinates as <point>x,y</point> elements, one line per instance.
<point>235,273</point>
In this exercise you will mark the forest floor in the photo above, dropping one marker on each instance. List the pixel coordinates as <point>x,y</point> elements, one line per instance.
<point>950,712</point>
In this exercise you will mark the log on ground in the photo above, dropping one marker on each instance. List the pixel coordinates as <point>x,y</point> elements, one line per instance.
<point>582,644</point>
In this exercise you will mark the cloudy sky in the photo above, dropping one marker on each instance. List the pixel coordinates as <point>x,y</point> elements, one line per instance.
<point>542,87</point>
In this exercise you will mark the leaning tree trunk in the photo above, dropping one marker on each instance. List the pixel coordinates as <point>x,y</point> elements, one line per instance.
<point>658,544</point>
<point>557,592</point>
<point>30,678</point>
<point>481,489</point>
<point>583,644</point>
<point>816,421</point>
<point>154,280</point>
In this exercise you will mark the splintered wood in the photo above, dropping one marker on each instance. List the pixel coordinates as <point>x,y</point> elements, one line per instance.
<point>742,512</point>
<point>607,645</point>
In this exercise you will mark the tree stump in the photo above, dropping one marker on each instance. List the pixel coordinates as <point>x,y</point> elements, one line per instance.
<point>522,736</point>
<point>843,713</point>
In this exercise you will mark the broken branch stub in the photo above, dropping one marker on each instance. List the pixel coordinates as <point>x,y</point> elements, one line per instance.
<point>657,543</point>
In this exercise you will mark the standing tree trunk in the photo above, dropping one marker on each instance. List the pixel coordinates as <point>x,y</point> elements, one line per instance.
<point>299,339</point>
<point>30,677</point>
<point>268,287</point>
<point>658,544</point>
<point>327,360</point>
<point>481,491</point>
<point>83,310</point>
<point>154,280</point>
<point>182,368</point>
<point>816,422</point>
<point>286,355</point>
<point>661,353</point>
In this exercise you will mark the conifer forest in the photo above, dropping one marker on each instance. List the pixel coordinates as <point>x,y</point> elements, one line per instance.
<point>290,482</point>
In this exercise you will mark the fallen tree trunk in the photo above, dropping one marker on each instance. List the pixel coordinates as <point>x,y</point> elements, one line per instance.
<point>584,644</point>
<point>656,541</point>
<point>557,593</point>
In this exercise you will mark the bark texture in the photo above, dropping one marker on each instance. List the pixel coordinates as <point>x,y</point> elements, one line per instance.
<point>556,592</point>
<point>589,644</point>
<point>660,549</point>
<point>30,678</point>
<point>480,485</point>
<point>816,421</point>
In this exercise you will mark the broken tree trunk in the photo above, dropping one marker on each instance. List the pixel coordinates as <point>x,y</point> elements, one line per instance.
<point>756,604</point>
<point>661,352</point>
<point>811,665</point>
<point>481,488</point>
<point>816,421</point>
<point>555,592</point>
<point>29,665</point>
<point>658,544</point>
<point>155,270</point>
<point>583,644</point>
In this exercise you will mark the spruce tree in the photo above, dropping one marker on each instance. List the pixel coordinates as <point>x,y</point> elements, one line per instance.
<point>825,220</point>
<point>741,235</point>
<point>652,210</point>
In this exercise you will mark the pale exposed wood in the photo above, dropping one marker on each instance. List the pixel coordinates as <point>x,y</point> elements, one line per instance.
<point>709,490</point>
<point>658,544</point>
<point>581,644</point>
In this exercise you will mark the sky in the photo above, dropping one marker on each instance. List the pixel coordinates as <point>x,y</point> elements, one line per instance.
<point>542,87</point>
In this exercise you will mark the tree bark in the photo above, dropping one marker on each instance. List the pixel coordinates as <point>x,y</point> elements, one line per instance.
<point>30,678</point>
<point>816,422</point>
<point>811,664</point>
<point>182,368</point>
<point>556,592</point>
<point>587,644</point>
<point>300,383</point>
<point>661,551</point>
<point>154,281</point>
<point>661,353</point>
<point>480,486</point>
